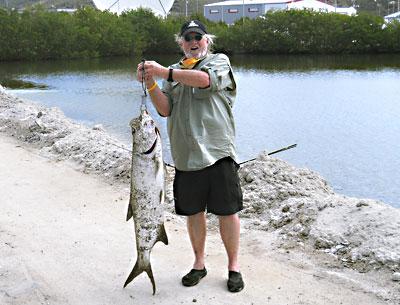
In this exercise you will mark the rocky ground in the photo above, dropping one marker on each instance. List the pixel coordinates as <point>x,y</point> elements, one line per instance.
<point>296,205</point>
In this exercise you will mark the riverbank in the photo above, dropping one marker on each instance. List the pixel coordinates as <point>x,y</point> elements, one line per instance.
<point>301,243</point>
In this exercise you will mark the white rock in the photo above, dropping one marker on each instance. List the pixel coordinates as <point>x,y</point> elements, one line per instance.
<point>396,277</point>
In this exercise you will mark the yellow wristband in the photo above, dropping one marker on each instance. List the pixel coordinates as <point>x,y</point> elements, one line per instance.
<point>152,87</point>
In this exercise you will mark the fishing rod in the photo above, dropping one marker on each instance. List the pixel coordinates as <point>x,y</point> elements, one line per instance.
<point>272,152</point>
<point>269,154</point>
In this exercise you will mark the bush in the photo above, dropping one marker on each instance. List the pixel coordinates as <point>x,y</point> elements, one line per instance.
<point>39,34</point>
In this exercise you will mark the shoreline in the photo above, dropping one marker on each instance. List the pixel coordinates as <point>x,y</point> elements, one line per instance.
<point>290,214</point>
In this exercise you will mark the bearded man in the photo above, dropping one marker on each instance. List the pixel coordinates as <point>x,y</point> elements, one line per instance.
<point>197,97</point>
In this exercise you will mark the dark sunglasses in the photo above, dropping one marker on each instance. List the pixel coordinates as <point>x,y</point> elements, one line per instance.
<point>189,37</point>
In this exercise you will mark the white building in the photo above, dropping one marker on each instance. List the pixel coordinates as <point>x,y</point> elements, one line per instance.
<point>392,17</point>
<point>321,7</point>
<point>66,10</point>
<point>232,10</point>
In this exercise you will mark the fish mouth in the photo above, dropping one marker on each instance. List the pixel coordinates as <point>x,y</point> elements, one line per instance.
<point>151,149</point>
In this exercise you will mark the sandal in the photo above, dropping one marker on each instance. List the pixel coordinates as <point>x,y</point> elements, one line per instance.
<point>193,277</point>
<point>235,281</point>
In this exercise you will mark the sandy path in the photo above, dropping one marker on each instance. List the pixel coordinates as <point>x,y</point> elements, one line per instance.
<point>63,240</point>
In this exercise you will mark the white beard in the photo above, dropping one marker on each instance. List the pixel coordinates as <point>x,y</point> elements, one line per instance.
<point>196,54</point>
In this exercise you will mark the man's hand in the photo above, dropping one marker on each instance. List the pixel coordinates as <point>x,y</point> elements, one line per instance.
<point>152,70</point>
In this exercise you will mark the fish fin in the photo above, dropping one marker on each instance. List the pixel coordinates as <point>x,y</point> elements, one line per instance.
<point>162,235</point>
<point>138,269</point>
<point>149,272</point>
<point>130,212</point>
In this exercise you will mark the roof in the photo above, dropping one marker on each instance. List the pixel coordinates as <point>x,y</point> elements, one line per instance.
<point>318,5</point>
<point>394,15</point>
<point>247,2</point>
<point>346,10</point>
<point>311,4</point>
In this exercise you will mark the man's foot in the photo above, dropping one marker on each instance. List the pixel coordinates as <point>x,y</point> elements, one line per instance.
<point>193,277</point>
<point>235,281</point>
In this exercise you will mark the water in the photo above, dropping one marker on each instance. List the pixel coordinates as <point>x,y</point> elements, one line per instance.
<point>343,112</point>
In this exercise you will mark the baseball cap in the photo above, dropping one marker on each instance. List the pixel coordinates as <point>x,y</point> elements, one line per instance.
<point>193,26</point>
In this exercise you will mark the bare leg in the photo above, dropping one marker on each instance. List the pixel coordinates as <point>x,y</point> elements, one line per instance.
<point>229,228</point>
<point>197,229</point>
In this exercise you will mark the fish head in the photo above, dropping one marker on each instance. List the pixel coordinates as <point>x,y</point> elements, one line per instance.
<point>144,132</point>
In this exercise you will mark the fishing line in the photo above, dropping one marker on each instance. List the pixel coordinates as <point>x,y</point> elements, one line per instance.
<point>144,96</point>
<point>143,80</point>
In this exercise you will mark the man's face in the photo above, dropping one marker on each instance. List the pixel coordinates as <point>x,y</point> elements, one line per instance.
<point>194,45</point>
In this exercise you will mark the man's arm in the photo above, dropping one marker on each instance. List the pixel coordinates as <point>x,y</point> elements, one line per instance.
<point>159,99</point>
<point>193,78</point>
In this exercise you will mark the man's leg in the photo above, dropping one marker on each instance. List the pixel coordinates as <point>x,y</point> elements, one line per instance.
<point>229,227</point>
<point>197,229</point>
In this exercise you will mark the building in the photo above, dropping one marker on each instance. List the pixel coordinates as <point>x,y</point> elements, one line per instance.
<point>232,10</point>
<point>319,6</point>
<point>392,17</point>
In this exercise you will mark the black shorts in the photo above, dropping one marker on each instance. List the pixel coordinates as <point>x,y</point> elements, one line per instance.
<point>215,189</point>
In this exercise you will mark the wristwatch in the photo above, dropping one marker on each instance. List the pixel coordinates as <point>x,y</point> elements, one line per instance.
<point>170,79</point>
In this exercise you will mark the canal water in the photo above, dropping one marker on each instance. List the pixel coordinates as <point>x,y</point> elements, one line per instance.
<point>343,112</point>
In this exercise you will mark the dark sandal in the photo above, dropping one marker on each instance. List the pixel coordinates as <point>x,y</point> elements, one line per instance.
<point>193,277</point>
<point>235,281</point>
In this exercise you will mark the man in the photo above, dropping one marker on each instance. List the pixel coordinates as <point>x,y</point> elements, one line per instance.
<point>197,97</point>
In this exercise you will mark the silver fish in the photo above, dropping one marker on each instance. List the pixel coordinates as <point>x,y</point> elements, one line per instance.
<point>147,192</point>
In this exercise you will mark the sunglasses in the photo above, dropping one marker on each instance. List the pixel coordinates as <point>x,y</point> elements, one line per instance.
<point>196,37</point>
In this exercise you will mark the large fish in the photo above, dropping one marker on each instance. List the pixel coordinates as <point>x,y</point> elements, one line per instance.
<point>147,192</point>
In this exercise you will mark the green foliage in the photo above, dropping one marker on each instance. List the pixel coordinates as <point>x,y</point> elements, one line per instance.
<point>392,32</point>
<point>39,34</point>
<point>295,31</point>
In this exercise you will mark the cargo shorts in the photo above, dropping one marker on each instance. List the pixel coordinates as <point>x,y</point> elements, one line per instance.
<point>215,189</point>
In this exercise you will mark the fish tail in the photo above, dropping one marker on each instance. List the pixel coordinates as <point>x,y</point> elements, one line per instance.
<point>162,235</point>
<point>141,266</point>
<point>151,277</point>
<point>130,212</point>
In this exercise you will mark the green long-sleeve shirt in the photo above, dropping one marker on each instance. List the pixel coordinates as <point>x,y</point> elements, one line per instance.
<point>201,127</point>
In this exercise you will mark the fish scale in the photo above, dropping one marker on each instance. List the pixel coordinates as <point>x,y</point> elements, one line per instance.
<point>147,193</point>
